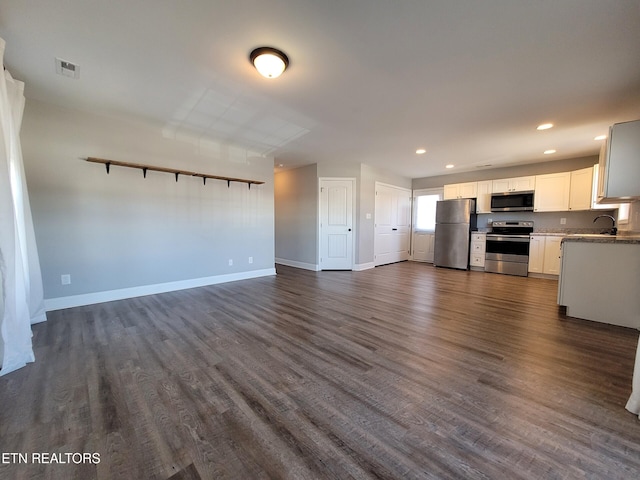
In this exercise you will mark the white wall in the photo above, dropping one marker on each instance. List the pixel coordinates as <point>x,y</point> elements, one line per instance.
<point>120,232</point>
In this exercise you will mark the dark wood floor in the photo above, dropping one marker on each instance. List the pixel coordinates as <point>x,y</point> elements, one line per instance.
<point>404,371</point>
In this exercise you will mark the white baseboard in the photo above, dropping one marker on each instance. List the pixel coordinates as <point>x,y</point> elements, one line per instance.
<point>296,264</point>
<point>111,295</point>
<point>363,266</point>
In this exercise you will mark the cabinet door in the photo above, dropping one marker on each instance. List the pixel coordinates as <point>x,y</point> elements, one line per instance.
<point>451,191</point>
<point>552,192</point>
<point>580,191</point>
<point>500,186</point>
<point>536,254</point>
<point>483,202</point>
<point>552,255</point>
<point>468,190</point>
<point>619,167</point>
<point>522,184</point>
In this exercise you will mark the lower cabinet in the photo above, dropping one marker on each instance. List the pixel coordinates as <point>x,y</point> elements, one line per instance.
<point>544,254</point>
<point>478,247</point>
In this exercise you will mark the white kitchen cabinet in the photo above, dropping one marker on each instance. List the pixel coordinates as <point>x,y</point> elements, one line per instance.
<point>552,192</point>
<point>580,191</point>
<point>594,193</point>
<point>620,165</point>
<point>544,254</point>
<point>599,281</point>
<point>478,248</point>
<point>517,184</point>
<point>461,190</point>
<point>552,255</point>
<point>483,199</point>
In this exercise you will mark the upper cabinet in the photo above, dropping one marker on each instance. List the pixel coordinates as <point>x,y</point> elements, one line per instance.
<point>594,193</point>
<point>461,190</point>
<point>552,192</point>
<point>518,184</point>
<point>620,164</point>
<point>581,186</point>
<point>483,200</point>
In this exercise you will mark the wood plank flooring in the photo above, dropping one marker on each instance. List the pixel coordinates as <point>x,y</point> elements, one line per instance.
<point>403,371</point>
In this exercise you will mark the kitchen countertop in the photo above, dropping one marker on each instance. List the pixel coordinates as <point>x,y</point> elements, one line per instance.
<point>602,238</point>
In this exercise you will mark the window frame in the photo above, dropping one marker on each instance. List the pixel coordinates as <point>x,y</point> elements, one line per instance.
<point>421,193</point>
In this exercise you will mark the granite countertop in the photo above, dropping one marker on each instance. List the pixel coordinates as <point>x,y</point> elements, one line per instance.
<point>603,238</point>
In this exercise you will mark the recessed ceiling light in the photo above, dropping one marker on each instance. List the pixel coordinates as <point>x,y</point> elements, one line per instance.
<point>281,164</point>
<point>449,166</point>
<point>545,126</point>
<point>600,137</point>
<point>549,152</point>
<point>270,62</point>
<point>420,151</point>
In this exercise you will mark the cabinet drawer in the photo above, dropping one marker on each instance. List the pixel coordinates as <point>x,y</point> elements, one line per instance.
<point>476,260</point>
<point>478,247</point>
<point>478,237</point>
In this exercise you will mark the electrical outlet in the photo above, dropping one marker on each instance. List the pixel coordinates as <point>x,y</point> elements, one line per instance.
<point>563,221</point>
<point>65,279</point>
<point>230,262</point>
<point>250,259</point>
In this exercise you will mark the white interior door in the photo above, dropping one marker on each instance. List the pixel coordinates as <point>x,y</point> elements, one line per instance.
<point>393,224</point>
<point>336,224</point>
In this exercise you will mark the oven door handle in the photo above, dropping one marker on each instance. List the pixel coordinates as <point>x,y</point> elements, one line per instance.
<point>508,238</point>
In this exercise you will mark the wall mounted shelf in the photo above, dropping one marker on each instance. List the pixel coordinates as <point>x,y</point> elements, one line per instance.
<point>175,171</point>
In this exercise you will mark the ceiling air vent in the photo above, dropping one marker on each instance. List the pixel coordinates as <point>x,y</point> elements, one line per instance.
<point>67,69</point>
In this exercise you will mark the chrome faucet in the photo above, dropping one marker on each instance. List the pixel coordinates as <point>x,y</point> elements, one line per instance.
<point>613,230</point>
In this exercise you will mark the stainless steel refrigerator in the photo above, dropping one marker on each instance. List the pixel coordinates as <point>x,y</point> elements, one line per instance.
<point>455,219</point>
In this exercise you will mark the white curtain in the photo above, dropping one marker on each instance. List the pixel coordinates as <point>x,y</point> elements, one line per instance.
<point>633,405</point>
<point>22,299</point>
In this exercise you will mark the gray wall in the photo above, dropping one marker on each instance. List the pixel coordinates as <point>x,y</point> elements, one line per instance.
<point>548,221</point>
<point>296,215</point>
<point>506,172</point>
<point>293,221</point>
<point>119,231</point>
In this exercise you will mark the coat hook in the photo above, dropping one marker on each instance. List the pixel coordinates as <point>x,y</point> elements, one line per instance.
<point>144,172</point>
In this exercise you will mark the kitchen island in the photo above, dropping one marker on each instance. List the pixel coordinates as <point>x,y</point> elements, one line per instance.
<point>600,278</point>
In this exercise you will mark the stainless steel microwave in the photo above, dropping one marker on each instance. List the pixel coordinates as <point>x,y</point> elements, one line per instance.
<point>512,202</point>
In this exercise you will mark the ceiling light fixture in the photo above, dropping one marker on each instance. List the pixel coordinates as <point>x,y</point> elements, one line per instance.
<point>549,152</point>
<point>269,62</point>
<point>420,151</point>
<point>545,126</point>
<point>600,137</point>
<point>449,166</point>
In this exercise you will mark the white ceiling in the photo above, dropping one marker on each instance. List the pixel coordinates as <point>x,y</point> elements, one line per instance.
<point>370,81</point>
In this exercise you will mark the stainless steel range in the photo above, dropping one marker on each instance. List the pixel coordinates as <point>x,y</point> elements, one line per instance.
<point>508,248</point>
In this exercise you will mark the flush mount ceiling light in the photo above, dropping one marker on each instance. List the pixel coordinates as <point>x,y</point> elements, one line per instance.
<point>545,126</point>
<point>421,151</point>
<point>549,152</point>
<point>449,166</point>
<point>270,62</point>
<point>600,137</point>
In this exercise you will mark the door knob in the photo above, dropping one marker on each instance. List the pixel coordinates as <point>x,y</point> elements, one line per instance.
<point>349,229</point>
